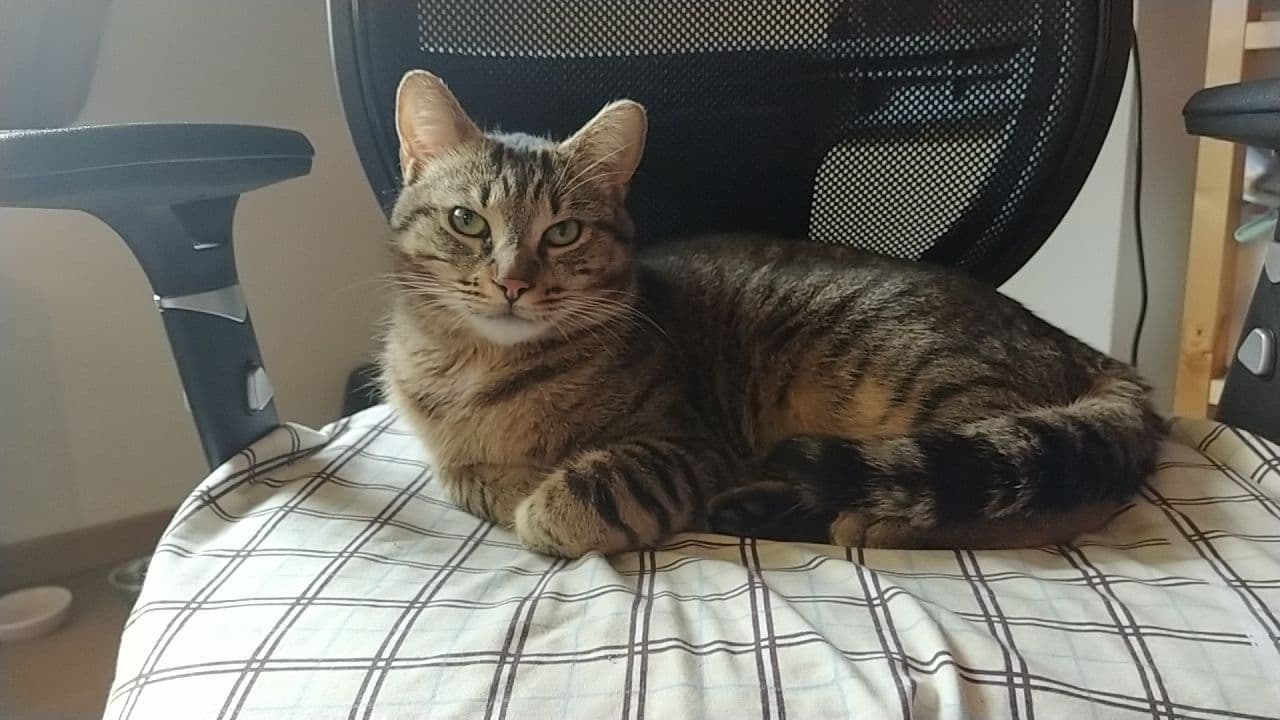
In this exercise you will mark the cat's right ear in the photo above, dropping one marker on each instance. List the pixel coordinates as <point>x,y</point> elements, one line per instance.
<point>429,120</point>
<point>611,143</point>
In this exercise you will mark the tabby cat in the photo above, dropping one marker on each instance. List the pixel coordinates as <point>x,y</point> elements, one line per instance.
<point>596,396</point>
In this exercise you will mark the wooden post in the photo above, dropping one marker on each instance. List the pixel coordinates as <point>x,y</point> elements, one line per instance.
<point>1215,212</point>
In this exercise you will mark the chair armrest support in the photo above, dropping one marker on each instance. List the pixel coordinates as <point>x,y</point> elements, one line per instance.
<point>1249,113</point>
<point>170,192</point>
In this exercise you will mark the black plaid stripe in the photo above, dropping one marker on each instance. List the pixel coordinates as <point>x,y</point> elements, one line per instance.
<point>876,601</point>
<point>379,667</point>
<point>1210,437</point>
<point>1205,546</point>
<point>988,601</point>
<point>504,676</point>
<point>942,661</point>
<point>806,605</point>
<point>249,675</point>
<point>771,704</point>
<point>771,644</point>
<point>174,627</point>
<point>1127,628</point>
<point>251,467</point>
<point>647,629</point>
<point>638,634</point>
<point>1213,558</point>
<point>448,568</point>
<point>1251,492</point>
<point>254,467</point>
<point>1268,455</point>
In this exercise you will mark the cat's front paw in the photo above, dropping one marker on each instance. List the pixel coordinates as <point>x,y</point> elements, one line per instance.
<point>555,521</point>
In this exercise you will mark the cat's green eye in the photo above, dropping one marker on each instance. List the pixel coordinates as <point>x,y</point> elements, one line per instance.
<point>563,233</point>
<point>468,222</point>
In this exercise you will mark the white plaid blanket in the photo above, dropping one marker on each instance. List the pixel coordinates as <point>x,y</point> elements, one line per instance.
<point>323,575</point>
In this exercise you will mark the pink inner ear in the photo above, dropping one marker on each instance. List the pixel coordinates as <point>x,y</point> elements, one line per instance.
<point>425,133</point>
<point>429,119</point>
<point>614,139</point>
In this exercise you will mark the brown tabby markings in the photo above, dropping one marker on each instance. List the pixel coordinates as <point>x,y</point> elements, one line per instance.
<point>593,398</point>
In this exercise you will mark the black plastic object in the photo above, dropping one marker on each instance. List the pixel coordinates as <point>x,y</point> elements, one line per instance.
<point>157,163</point>
<point>1250,401</point>
<point>952,131</point>
<point>170,191</point>
<point>1246,113</point>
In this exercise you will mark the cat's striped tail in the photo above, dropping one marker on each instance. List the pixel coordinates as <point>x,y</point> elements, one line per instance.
<point>1097,449</point>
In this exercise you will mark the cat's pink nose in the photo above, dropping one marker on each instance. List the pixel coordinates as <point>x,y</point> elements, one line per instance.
<point>513,288</point>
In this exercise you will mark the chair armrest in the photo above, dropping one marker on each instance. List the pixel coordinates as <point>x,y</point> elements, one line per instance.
<point>85,167</point>
<point>170,192</point>
<point>82,167</point>
<point>1247,113</point>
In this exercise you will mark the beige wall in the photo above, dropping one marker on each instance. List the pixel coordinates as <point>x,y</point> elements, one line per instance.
<point>1173,37</point>
<point>1085,278</point>
<point>1071,280</point>
<point>92,426</point>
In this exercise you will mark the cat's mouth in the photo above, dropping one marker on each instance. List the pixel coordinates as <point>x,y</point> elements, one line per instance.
<point>507,310</point>
<point>510,313</point>
<point>508,326</point>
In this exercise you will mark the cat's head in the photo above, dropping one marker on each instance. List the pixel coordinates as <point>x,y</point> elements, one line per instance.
<point>512,237</point>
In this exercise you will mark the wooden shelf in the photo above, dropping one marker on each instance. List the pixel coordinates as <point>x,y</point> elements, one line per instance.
<point>1262,35</point>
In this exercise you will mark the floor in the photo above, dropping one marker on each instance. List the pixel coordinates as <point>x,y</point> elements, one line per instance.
<point>34,674</point>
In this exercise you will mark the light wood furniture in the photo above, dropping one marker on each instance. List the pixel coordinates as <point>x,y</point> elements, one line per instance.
<point>1236,34</point>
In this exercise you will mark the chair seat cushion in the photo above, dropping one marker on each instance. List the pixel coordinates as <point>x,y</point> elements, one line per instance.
<point>324,574</point>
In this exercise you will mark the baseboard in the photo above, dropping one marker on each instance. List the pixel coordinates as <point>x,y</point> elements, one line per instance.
<point>47,558</point>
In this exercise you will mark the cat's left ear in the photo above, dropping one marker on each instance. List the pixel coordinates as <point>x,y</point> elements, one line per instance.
<point>430,121</point>
<point>611,143</point>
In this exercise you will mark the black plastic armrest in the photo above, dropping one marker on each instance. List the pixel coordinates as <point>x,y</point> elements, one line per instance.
<point>170,191</point>
<point>1247,113</point>
<point>82,167</point>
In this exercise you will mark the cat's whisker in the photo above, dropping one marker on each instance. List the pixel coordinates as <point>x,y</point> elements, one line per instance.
<point>599,316</point>
<point>627,309</point>
<point>606,321</point>
<point>576,324</point>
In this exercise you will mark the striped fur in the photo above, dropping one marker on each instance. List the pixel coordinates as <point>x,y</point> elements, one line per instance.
<point>746,385</point>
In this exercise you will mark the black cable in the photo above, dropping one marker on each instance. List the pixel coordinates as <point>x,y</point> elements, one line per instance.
<point>1137,204</point>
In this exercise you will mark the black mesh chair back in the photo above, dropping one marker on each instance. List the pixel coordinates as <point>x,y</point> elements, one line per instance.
<point>955,132</point>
